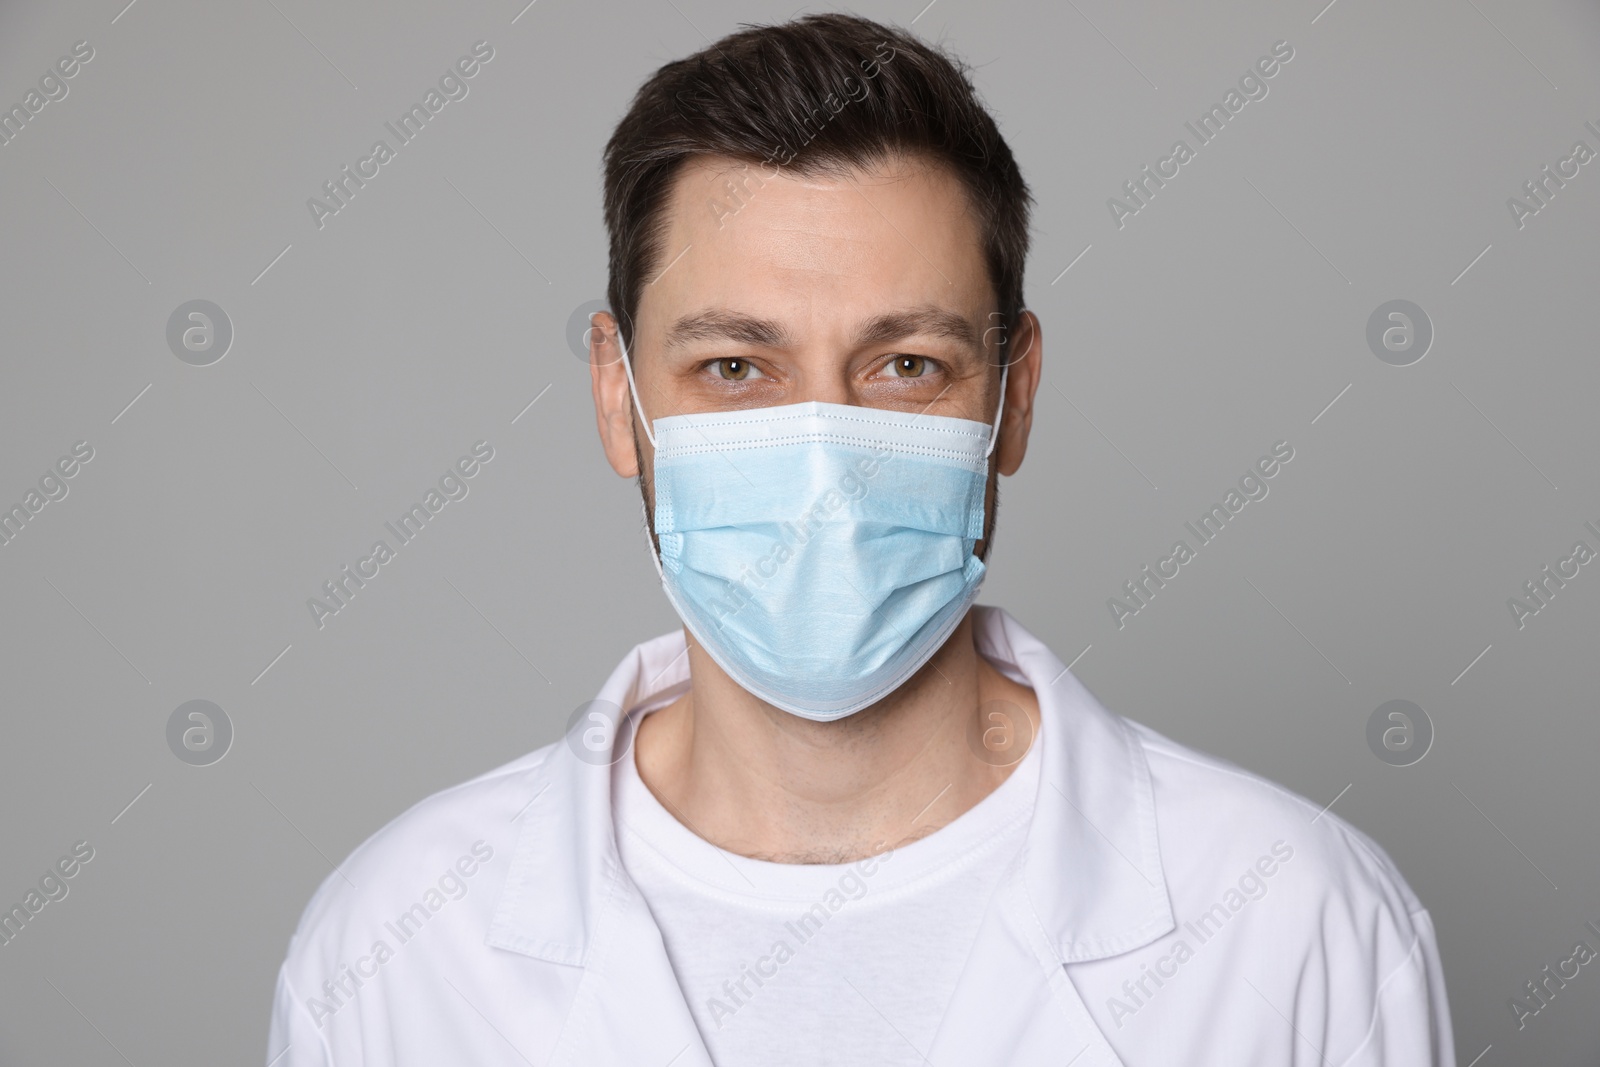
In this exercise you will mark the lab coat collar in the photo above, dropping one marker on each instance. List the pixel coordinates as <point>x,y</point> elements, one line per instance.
<point>1090,869</point>
<point>1092,863</point>
<point>566,866</point>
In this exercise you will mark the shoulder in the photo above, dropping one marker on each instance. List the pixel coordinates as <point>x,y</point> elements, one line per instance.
<point>1214,816</point>
<point>441,862</point>
<point>1279,898</point>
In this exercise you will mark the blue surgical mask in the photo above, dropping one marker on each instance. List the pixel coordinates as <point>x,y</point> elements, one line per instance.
<point>820,553</point>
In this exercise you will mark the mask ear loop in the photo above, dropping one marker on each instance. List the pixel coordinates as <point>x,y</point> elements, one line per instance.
<point>994,432</point>
<point>644,513</point>
<point>633,389</point>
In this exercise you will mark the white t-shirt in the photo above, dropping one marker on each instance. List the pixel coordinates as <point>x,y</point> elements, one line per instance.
<point>796,965</point>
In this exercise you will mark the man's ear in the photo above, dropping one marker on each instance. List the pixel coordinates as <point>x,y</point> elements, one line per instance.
<point>613,403</point>
<point>1026,353</point>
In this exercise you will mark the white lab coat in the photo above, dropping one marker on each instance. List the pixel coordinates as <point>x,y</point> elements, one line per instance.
<point>1139,925</point>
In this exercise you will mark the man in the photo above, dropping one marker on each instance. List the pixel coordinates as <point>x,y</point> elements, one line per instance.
<point>845,817</point>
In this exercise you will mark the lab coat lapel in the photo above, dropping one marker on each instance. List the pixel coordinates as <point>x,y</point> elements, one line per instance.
<point>1014,1003</point>
<point>1093,874</point>
<point>568,901</point>
<point>629,1009</point>
<point>1087,884</point>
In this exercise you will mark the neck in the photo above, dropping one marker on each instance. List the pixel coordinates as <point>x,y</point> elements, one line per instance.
<point>758,781</point>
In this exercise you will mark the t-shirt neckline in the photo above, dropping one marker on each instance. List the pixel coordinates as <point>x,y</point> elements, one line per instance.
<point>964,840</point>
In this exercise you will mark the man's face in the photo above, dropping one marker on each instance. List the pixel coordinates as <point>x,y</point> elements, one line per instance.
<point>868,288</point>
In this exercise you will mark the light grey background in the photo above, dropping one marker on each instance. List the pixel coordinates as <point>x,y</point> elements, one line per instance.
<point>1225,316</point>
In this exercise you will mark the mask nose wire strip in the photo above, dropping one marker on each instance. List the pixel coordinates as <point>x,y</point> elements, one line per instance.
<point>633,390</point>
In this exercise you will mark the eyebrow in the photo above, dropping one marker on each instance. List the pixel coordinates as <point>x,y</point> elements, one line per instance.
<point>924,319</point>
<point>727,325</point>
<point>768,333</point>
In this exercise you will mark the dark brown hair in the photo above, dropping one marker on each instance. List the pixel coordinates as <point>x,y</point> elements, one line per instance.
<point>817,94</point>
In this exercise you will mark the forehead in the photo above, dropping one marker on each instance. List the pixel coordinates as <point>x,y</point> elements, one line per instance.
<point>816,249</point>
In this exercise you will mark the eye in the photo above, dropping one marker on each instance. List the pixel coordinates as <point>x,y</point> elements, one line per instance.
<point>909,366</point>
<point>736,370</point>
